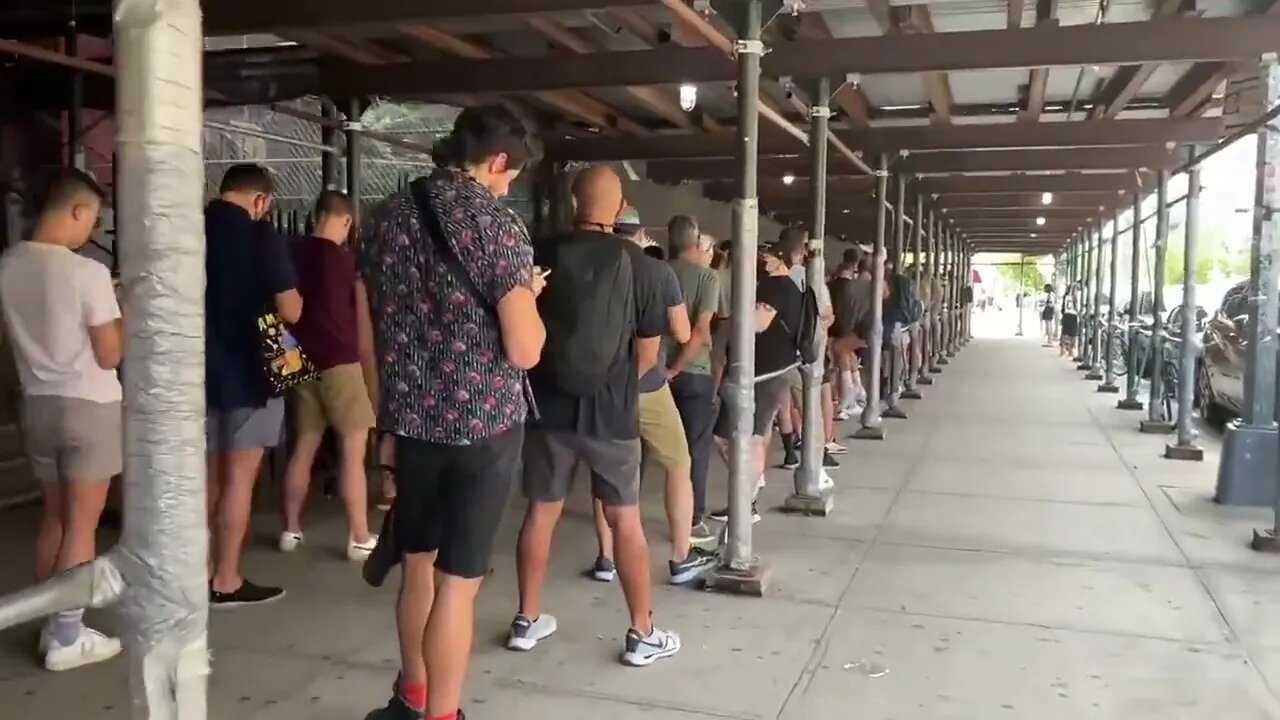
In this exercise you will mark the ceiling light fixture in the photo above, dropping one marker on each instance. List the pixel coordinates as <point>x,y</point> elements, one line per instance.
<point>788,179</point>
<point>1046,198</point>
<point>688,97</point>
<point>1040,220</point>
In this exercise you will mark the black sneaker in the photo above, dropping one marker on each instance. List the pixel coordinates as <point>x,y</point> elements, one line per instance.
<point>790,461</point>
<point>247,594</point>
<point>828,461</point>
<point>386,554</point>
<point>723,515</point>
<point>693,567</point>
<point>396,709</point>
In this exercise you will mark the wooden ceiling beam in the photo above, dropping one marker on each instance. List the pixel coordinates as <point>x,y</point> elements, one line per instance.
<point>1038,78</point>
<point>571,103</point>
<point>1128,80</point>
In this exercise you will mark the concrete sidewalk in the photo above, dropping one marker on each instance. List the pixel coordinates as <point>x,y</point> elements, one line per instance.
<point>1014,550</point>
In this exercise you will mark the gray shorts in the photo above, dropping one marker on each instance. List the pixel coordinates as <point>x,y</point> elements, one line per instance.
<point>73,439</point>
<point>245,428</point>
<point>769,395</point>
<point>551,460</point>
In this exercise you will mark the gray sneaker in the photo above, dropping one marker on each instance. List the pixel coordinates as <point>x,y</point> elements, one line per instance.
<point>703,537</point>
<point>525,634</point>
<point>698,563</point>
<point>641,651</point>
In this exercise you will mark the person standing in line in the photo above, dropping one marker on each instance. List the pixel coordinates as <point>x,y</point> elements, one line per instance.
<point>1070,321</point>
<point>605,320</point>
<point>848,309</point>
<point>453,284</point>
<point>660,430</point>
<point>1048,314</point>
<point>330,330</point>
<point>61,311</point>
<point>721,328</point>
<point>248,272</point>
<point>690,369</point>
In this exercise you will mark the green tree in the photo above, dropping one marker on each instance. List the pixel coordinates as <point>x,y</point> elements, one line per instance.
<point>1032,279</point>
<point>1209,256</point>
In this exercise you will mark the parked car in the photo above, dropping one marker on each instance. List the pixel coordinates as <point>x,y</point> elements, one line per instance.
<point>1220,367</point>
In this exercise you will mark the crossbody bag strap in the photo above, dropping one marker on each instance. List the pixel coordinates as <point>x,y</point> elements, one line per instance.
<point>443,250</point>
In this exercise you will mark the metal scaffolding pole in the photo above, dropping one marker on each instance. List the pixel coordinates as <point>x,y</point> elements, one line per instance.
<point>1021,296</point>
<point>75,112</point>
<point>966,317</point>
<point>928,356</point>
<point>944,268</point>
<point>916,359</point>
<point>1095,326</point>
<point>1086,300</point>
<point>872,428</point>
<point>953,293</point>
<point>894,407</point>
<point>740,571</point>
<point>1157,421</point>
<point>355,178</point>
<point>1184,447</point>
<point>1247,472</point>
<point>328,137</point>
<point>1130,401</point>
<point>809,495</point>
<point>1109,377</point>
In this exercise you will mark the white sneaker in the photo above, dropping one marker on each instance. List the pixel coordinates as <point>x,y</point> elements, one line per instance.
<point>641,651</point>
<point>525,634</point>
<point>89,648</point>
<point>825,481</point>
<point>835,448</point>
<point>290,541</point>
<point>359,552</point>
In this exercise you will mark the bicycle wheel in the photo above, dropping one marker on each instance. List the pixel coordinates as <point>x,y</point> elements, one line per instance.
<point>1120,352</point>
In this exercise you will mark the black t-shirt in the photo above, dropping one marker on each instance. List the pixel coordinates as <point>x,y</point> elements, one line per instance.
<point>612,413</point>
<point>776,347</point>
<point>897,305</point>
<point>844,305</point>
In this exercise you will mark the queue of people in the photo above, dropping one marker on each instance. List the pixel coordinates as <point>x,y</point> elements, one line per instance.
<point>494,360</point>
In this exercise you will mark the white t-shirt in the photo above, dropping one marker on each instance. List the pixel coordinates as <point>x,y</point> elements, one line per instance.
<point>51,297</point>
<point>799,275</point>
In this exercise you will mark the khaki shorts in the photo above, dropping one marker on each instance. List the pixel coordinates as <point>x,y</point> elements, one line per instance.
<point>72,439</point>
<point>661,429</point>
<point>338,399</point>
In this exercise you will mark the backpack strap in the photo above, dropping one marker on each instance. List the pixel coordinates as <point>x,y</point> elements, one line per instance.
<point>422,198</point>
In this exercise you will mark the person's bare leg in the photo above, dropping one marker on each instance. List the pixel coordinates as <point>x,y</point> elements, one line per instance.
<point>604,536</point>
<point>49,536</point>
<point>447,646</point>
<point>828,413</point>
<point>387,459</point>
<point>354,484</point>
<point>215,466</point>
<point>297,478</point>
<point>786,426</point>
<point>533,552</point>
<point>82,505</point>
<point>413,608</point>
<point>679,504</point>
<point>233,516</point>
<point>633,564</point>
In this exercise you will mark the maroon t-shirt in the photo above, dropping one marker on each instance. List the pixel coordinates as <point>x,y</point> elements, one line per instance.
<point>327,282</point>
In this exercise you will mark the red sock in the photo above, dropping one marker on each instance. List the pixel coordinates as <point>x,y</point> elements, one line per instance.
<point>447,716</point>
<point>414,695</point>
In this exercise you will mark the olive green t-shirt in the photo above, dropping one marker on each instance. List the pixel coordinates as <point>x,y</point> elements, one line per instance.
<point>701,290</point>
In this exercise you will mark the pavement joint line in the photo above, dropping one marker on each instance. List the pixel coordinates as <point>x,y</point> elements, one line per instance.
<point>1052,501</point>
<point>553,691</point>
<point>1057,628</point>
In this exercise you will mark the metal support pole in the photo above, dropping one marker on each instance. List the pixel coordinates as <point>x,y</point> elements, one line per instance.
<point>917,357</point>
<point>1133,378</point>
<point>810,497</point>
<point>355,178</point>
<point>1157,421</point>
<point>75,113</point>
<point>740,570</point>
<point>1185,448</point>
<point>1109,378</point>
<point>1022,284</point>
<point>953,289</point>
<point>1095,326</point>
<point>1247,473</point>
<point>966,316</point>
<point>944,268</point>
<point>328,137</point>
<point>1086,299</point>
<point>893,407</point>
<point>872,428</point>
<point>929,356</point>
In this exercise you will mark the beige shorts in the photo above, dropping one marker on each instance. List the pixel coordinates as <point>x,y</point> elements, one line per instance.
<point>72,439</point>
<point>661,429</point>
<point>338,399</point>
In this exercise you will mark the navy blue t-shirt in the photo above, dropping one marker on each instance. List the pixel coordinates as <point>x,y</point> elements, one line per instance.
<point>246,264</point>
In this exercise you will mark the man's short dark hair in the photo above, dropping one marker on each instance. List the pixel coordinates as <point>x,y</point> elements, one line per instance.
<point>682,234</point>
<point>851,257</point>
<point>69,187</point>
<point>334,202</point>
<point>247,177</point>
<point>791,241</point>
<point>655,251</point>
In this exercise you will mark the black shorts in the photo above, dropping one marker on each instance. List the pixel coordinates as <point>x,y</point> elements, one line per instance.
<point>449,498</point>
<point>769,395</point>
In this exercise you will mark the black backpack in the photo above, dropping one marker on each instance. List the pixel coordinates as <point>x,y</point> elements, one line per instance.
<point>589,309</point>
<point>808,341</point>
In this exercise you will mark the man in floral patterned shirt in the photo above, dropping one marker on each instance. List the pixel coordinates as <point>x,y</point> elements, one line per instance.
<point>453,291</point>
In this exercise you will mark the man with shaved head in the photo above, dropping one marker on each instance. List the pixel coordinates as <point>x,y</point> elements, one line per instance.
<point>605,318</point>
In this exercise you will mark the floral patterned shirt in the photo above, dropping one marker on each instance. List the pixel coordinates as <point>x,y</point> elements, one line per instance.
<point>443,374</point>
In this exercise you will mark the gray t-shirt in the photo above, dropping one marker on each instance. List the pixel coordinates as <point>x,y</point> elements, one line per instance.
<point>701,289</point>
<point>653,380</point>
